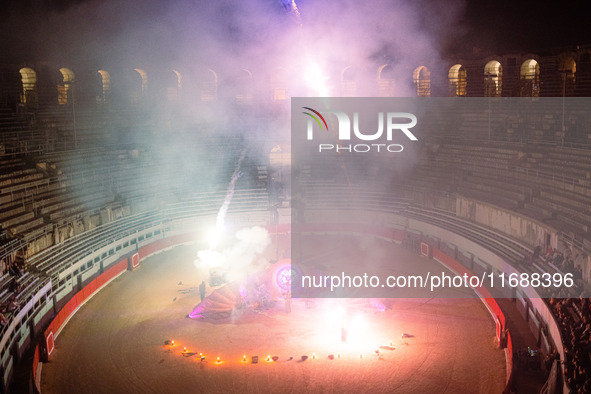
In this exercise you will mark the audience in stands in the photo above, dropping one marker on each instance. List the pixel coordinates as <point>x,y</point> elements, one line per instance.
<point>574,318</point>
<point>14,270</point>
<point>13,305</point>
<point>14,286</point>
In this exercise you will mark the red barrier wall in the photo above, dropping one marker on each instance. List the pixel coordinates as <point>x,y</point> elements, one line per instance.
<point>461,270</point>
<point>389,233</point>
<point>509,358</point>
<point>134,262</point>
<point>35,362</point>
<point>96,284</point>
<point>175,240</point>
<point>75,302</point>
<point>156,246</point>
<point>492,304</point>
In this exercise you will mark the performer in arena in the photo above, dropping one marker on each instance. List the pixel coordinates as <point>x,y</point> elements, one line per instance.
<point>202,290</point>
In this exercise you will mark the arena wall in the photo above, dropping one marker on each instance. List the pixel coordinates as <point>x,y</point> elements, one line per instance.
<point>166,235</point>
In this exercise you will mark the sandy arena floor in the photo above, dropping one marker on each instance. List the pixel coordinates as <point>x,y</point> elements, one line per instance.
<point>115,342</point>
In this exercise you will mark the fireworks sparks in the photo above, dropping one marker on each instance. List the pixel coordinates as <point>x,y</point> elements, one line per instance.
<point>214,238</point>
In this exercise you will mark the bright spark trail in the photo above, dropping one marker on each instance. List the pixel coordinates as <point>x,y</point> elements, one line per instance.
<point>229,194</point>
<point>296,11</point>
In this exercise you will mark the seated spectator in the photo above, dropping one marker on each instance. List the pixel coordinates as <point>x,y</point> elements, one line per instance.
<point>558,259</point>
<point>14,286</point>
<point>537,251</point>
<point>569,266</point>
<point>14,270</point>
<point>578,273</point>
<point>13,305</point>
<point>549,250</point>
<point>3,320</point>
<point>528,259</point>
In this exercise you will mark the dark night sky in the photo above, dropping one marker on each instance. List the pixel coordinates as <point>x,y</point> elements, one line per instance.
<point>527,25</point>
<point>455,26</point>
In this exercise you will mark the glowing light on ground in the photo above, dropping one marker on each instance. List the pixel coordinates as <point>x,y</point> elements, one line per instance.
<point>214,237</point>
<point>347,325</point>
<point>211,258</point>
<point>241,259</point>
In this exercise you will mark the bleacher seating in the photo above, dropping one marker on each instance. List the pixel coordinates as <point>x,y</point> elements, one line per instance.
<point>69,187</point>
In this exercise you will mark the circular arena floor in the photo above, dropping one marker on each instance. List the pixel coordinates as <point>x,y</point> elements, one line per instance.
<point>115,342</point>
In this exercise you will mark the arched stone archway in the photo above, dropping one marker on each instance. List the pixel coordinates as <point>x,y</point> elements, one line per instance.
<point>144,77</point>
<point>279,77</point>
<point>493,79</point>
<point>64,88</point>
<point>421,77</point>
<point>349,83</point>
<point>29,85</point>
<point>386,82</point>
<point>174,87</point>
<point>567,67</point>
<point>139,90</point>
<point>209,85</point>
<point>104,96</point>
<point>529,78</point>
<point>244,86</point>
<point>457,77</point>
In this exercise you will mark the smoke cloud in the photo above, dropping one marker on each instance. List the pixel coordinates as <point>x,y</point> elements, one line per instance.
<point>226,35</point>
<point>312,41</point>
<point>243,258</point>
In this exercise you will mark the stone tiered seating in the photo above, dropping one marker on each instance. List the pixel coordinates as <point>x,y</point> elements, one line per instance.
<point>344,197</point>
<point>17,189</point>
<point>561,172</point>
<point>9,121</point>
<point>429,175</point>
<point>529,180</point>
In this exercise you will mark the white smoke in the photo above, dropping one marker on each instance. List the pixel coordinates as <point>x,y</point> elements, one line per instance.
<point>242,259</point>
<point>221,218</point>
